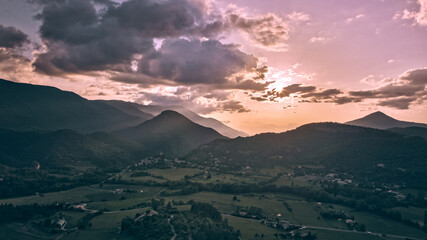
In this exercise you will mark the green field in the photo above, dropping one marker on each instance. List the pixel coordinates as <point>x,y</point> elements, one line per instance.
<point>174,174</point>
<point>121,200</point>
<point>249,228</point>
<point>412,213</point>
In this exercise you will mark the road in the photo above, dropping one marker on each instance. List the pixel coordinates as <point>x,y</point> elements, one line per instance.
<point>335,229</point>
<point>172,228</point>
<point>354,231</point>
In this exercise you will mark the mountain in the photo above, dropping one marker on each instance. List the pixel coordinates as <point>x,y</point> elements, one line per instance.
<point>130,108</point>
<point>411,131</point>
<point>170,133</point>
<point>63,148</point>
<point>382,121</point>
<point>34,107</point>
<point>329,144</point>
<point>155,110</point>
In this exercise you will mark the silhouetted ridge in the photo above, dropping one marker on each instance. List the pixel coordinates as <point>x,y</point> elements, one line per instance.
<point>34,107</point>
<point>328,144</point>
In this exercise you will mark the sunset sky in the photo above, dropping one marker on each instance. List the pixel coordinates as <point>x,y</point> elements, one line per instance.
<point>255,65</point>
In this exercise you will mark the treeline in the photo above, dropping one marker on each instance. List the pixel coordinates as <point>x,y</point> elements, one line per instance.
<point>14,186</point>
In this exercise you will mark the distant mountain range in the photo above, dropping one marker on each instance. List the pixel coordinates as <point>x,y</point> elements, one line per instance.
<point>42,108</point>
<point>380,120</point>
<point>33,119</point>
<point>153,110</point>
<point>59,128</point>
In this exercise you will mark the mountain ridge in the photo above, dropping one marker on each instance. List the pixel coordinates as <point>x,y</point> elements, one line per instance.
<point>155,110</point>
<point>333,144</point>
<point>43,108</point>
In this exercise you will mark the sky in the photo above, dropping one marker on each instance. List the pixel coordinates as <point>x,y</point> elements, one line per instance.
<point>258,66</point>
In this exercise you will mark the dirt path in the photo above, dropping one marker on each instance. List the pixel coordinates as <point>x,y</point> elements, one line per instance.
<point>172,228</point>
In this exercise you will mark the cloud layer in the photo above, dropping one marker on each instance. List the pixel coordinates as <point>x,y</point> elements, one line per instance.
<point>10,37</point>
<point>408,89</point>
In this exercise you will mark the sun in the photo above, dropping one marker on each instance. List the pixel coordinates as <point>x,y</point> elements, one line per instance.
<point>279,83</point>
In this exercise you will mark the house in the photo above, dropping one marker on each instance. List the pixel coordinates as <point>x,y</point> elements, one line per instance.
<point>119,191</point>
<point>152,213</point>
<point>60,223</point>
<point>285,224</point>
<point>349,221</point>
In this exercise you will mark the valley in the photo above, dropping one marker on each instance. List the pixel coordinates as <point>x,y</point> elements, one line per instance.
<point>257,203</point>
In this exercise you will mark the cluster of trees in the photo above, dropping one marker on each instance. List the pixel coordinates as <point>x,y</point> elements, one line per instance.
<point>296,236</point>
<point>205,210</point>
<point>10,213</point>
<point>334,215</point>
<point>203,222</point>
<point>249,212</point>
<point>149,227</point>
<point>85,221</point>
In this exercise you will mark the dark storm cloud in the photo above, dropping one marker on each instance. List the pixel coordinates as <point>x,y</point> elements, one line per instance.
<point>79,38</point>
<point>83,38</point>
<point>157,19</point>
<point>11,37</point>
<point>192,62</point>
<point>12,60</point>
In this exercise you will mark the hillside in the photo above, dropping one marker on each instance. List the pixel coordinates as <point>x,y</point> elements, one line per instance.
<point>65,148</point>
<point>155,110</point>
<point>169,133</point>
<point>411,131</point>
<point>330,144</point>
<point>34,107</point>
<point>382,121</point>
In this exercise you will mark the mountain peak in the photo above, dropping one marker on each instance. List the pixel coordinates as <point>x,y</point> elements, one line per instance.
<point>170,113</point>
<point>170,133</point>
<point>381,120</point>
<point>172,117</point>
<point>378,115</point>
